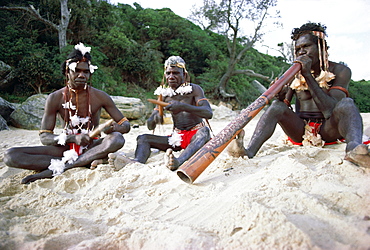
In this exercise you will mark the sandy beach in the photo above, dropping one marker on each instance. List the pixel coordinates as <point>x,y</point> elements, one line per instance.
<point>287,197</point>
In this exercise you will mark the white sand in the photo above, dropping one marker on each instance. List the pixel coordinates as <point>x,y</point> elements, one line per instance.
<point>287,197</point>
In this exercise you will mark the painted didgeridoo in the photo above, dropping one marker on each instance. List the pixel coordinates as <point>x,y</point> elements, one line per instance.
<point>191,169</point>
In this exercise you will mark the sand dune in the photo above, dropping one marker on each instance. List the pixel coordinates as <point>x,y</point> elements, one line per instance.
<point>287,197</point>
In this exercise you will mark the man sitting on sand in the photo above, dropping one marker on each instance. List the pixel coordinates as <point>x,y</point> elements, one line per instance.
<point>188,107</point>
<point>323,112</point>
<point>79,105</point>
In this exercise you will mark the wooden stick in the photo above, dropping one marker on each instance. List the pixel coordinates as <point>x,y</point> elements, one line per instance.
<point>191,169</point>
<point>160,108</point>
<point>160,103</point>
<point>97,131</point>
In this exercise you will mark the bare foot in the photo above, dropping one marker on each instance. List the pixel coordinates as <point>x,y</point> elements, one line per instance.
<point>359,156</point>
<point>95,163</point>
<point>118,160</point>
<point>236,146</point>
<point>46,174</point>
<point>170,160</point>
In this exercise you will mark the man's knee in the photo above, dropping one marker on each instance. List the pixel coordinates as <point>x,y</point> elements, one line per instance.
<point>278,106</point>
<point>346,105</point>
<point>346,102</point>
<point>117,141</point>
<point>141,139</point>
<point>204,133</point>
<point>10,157</point>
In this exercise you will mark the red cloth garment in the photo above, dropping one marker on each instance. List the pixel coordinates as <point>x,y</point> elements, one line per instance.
<point>183,138</point>
<point>315,126</point>
<point>186,136</point>
<point>78,148</point>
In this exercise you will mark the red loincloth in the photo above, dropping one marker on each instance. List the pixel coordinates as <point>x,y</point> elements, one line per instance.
<point>315,126</point>
<point>183,138</point>
<point>78,148</point>
<point>186,136</point>
<point>315,130</point>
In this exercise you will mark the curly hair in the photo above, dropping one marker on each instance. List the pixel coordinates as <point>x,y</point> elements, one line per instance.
<point>75,56</point>
<point>317,33</point>
<point>306,29</point>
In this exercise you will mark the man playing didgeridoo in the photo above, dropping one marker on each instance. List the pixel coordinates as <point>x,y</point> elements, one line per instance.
<point>188,107</point>
<point>323,112</point>
<point>79,105</point>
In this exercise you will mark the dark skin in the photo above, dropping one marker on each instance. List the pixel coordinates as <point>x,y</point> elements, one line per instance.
<point>341,117</point>
<point>39,157</point>
<point>187,111</point>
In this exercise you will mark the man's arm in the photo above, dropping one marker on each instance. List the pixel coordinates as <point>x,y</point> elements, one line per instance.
<point>154,119</point>
<point>47,137</point>
<point>326,101</point>
<point>201,109</point>
<point>121,124</point>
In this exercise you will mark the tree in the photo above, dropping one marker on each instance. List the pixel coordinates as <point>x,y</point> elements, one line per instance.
<point>286,50</point>
<point>227,18</point>
<point>61,28</point>
<point>36,71</point>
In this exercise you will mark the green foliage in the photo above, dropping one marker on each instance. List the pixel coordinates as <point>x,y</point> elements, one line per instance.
<point>129,45</point>
<point>13,50</point>
<point>36,71</point>
<point>13,98</point>
<point>358,91</point>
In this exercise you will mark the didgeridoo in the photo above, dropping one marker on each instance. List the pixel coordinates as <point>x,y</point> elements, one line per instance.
<point>191,169</point>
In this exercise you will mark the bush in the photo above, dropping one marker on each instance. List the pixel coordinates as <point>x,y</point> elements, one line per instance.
<point>359,92</point>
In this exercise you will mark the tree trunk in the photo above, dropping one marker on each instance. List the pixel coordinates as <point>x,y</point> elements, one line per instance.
<point>222,85</point>
<point>226,77</point>
<point>63,26</point>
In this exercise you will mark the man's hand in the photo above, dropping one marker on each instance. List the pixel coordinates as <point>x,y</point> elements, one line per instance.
<point>82,139</point>
<point>153,120</point>
<point>306,63</point>
<point>281,95</point>
<point>123,128</point>
<point>176,107</point>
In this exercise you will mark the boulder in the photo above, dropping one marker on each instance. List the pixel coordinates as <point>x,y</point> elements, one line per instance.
<point>29,114</point>
<point>3,124</point>
<point>222,112</point>
<point>132,108</point>
<point>6,108</point>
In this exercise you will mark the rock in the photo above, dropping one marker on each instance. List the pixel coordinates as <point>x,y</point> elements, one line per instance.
<point>222,112</point>
<point>132,108</point>
<point>29,114</point>
<point>6,108</point>
<point>3,124</point>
